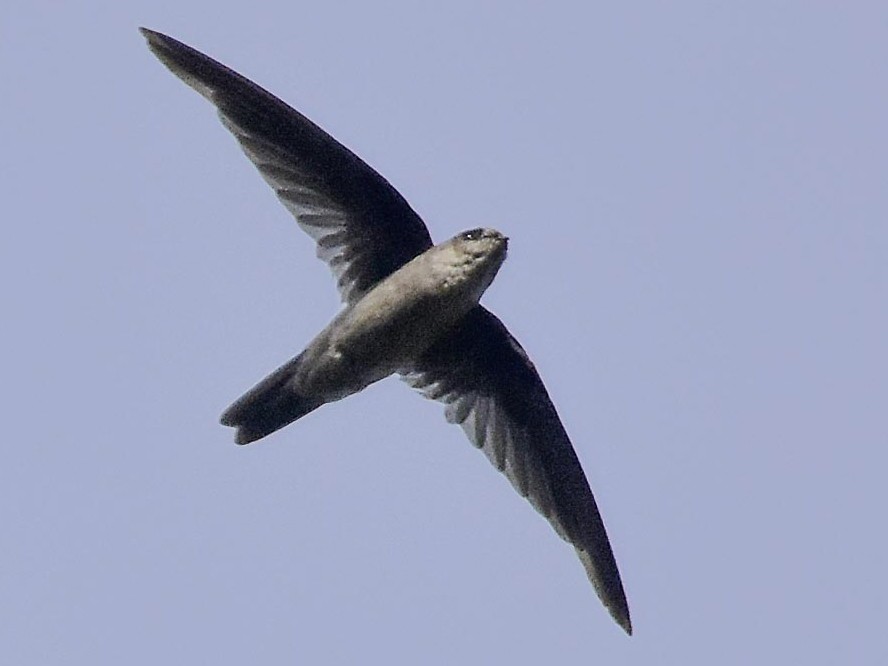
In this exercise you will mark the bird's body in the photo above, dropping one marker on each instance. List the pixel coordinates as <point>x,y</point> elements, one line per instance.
<point>386,330</point>
<point>411,308</point>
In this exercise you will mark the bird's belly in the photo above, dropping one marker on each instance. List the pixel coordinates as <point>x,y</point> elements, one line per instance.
<point>388,329</point>
<point>391,328</point>
<point>379,335</point>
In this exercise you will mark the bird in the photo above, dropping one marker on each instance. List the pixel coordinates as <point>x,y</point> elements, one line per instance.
<point>410,308</point>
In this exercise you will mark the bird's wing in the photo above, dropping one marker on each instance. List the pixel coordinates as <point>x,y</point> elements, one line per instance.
<point>491,388</point>
<point>363,227</point>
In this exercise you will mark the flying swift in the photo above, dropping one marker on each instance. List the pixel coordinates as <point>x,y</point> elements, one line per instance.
<point>410,308</point>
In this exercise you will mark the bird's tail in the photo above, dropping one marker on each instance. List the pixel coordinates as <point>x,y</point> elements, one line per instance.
<point>269,406</point>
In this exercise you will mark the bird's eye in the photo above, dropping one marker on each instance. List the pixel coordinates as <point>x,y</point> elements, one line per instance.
<point>474,234</point>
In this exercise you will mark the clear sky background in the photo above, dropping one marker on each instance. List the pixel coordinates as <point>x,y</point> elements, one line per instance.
<point>697,197</point>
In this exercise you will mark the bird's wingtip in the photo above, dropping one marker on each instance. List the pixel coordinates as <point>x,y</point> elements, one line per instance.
<point>624,622</point>
<point>151,35</point>
<point>605,578</point>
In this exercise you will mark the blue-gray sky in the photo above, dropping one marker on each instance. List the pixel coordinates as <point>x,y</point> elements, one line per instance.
<point>696,197</point>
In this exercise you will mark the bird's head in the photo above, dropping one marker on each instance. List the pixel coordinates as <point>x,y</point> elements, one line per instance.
<point>474,257</point>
